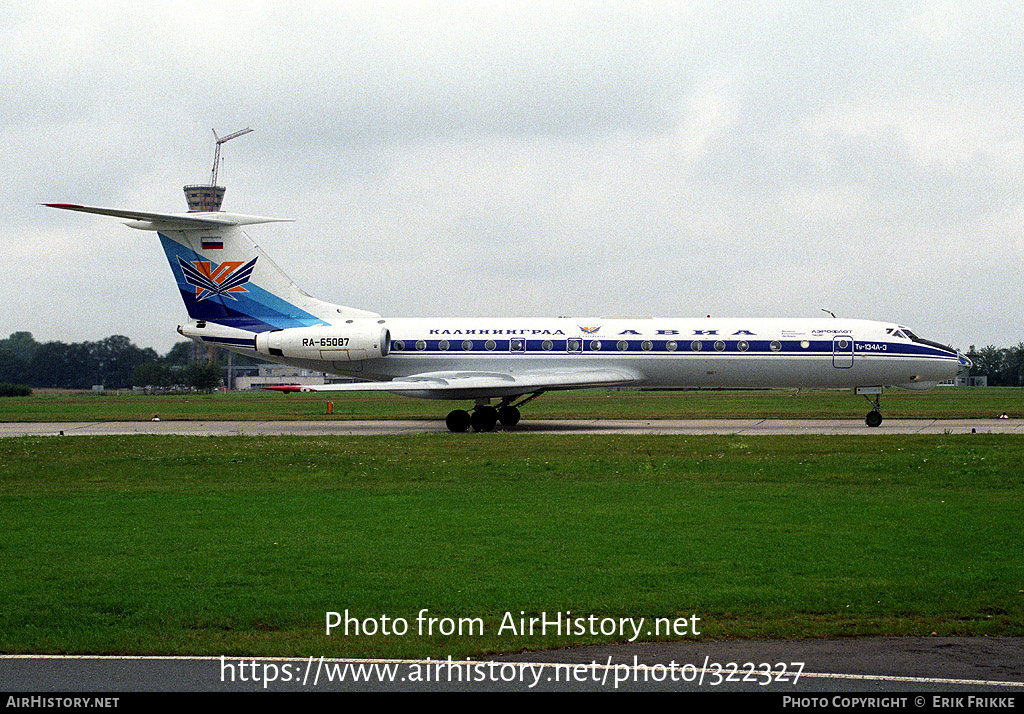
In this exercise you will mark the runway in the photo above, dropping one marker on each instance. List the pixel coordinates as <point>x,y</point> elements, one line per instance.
<point>747,427</point>
<point>899,665</point>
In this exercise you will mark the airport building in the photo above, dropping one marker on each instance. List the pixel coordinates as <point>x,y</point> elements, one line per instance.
<point>275,375</point>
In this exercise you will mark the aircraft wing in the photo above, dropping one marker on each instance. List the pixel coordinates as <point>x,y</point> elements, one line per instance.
<point>470,384</point>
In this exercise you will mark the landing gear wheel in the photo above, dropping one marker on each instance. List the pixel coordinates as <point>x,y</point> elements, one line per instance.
<point>508,416</point>
<point>484,418</point>
<point>874,417</point>
<point>457,421</point>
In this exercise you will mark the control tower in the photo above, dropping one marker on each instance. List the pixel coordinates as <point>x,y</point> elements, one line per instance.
<point>202,197</point>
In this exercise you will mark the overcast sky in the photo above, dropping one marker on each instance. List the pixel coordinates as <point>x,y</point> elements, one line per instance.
<point>679,159</point>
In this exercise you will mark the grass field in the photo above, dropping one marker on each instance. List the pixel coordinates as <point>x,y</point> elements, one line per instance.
<point>240,545</point>
<point>943,403</point>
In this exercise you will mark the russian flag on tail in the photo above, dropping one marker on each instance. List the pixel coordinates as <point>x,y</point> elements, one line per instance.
<point>213,244</point>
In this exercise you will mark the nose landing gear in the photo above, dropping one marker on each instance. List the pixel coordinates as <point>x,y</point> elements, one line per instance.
<point>874,417</point>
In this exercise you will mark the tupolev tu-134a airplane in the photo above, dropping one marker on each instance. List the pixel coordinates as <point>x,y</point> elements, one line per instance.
<point>240,300</point>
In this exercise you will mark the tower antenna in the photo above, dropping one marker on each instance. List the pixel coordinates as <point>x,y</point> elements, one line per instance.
<point>216,152</point>
<point>209,198</point>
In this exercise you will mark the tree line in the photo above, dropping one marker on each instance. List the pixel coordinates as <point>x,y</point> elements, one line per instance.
<point>113,362</point>
<point>1004,366</point>
<point>116,363</point>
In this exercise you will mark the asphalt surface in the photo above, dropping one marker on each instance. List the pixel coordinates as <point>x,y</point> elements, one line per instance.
<point>575,426</point>
<point>868,665</point>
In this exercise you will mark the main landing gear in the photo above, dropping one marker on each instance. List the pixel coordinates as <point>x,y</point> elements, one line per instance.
<point>485,417</point>
<point>874,417</point>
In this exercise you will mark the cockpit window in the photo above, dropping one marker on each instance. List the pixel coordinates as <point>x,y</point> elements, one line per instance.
<point>904,332</point>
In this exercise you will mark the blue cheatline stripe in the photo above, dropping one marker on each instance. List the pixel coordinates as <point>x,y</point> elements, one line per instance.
<point>660,347</point>
<point>256,310</point>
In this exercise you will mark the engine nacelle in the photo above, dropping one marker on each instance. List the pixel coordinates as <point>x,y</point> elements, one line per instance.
<point>331,343</point>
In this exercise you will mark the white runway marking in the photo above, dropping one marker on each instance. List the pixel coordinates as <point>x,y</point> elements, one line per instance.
<point>535,666</point>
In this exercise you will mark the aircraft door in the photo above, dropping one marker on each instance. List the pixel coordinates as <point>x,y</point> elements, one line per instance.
<point>842,352</point>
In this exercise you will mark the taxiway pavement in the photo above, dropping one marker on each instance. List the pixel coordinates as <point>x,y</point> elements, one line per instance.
<point>749,427</point>
<point>907,666</point>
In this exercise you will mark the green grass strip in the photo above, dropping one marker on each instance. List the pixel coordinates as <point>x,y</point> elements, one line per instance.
<point>240,545</point>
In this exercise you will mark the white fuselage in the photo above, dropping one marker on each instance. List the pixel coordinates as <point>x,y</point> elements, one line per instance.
<point>662,353</point>
<point>237,298</point>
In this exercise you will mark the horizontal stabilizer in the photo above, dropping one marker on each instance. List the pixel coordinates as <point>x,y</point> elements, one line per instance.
<point>172,221</point>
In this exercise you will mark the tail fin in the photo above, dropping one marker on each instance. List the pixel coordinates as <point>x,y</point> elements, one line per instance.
<point>224,277</point>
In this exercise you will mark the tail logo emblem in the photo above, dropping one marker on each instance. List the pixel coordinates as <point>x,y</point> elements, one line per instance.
<point>212,280</point>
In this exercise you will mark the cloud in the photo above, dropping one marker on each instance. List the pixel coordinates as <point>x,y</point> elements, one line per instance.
<point>530,158</point>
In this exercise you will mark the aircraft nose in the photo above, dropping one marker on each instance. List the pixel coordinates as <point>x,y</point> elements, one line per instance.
<point>965,361</point>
